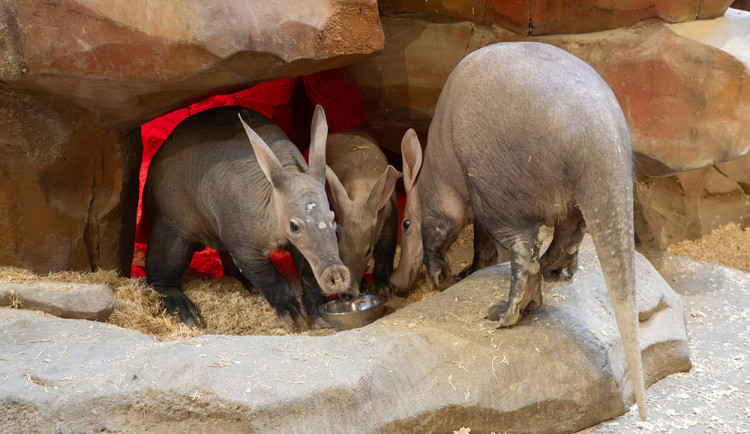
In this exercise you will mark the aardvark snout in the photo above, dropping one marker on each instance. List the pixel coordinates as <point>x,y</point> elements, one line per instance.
<point>335,279</point>
<point>350,294</point>
<point>403,280</point>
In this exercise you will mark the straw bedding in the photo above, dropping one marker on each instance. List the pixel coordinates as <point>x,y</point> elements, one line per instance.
<point>227,308</point>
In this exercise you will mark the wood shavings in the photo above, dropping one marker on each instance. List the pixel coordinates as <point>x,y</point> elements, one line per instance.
<point>726,245</point>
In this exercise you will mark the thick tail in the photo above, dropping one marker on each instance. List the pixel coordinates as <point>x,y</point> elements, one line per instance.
<point>607,207</point>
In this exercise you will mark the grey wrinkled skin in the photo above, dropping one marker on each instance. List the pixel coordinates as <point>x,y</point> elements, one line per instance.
<point>361,190</point>
<point>524,135</point>
<point>230,179</point>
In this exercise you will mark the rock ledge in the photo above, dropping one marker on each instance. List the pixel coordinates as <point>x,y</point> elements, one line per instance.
<point>434,365</point>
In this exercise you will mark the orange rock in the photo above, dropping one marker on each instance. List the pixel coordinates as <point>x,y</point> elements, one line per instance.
<point>686,102</point>
<point>132,61</point>
<point>543,17</point>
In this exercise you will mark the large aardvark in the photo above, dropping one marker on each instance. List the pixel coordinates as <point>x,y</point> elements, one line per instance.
<point>526,135</point>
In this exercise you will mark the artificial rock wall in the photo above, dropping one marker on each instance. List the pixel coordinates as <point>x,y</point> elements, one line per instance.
<point>78,78</point>
<point>678,69</point>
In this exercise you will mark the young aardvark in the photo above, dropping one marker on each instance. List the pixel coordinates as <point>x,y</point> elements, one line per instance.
<point>230,179</point>
<point>361,192</point>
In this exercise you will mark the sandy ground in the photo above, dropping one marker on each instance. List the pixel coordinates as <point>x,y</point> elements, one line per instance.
<point>714,396</point>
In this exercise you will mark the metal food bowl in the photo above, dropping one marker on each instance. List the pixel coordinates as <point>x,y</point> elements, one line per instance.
<point>345,315</point>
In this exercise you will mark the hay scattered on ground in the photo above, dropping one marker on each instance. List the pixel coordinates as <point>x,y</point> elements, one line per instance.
<point>728,245</point>
<point>224,304</point>
<point>137,307</point>
<point>227,308</point>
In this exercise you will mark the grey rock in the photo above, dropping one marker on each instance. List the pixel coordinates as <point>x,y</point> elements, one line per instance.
<point>63,299</point>
<point>435,365</point>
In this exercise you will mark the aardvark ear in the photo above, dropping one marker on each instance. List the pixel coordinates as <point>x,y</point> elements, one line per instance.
<point>382,190</point>
<point>267,161</point>
<point>340,198</point>
<point>411,153</point>
<point>318,136</point>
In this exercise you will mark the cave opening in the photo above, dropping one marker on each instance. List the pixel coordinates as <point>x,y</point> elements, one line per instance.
<point>289,102</point>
